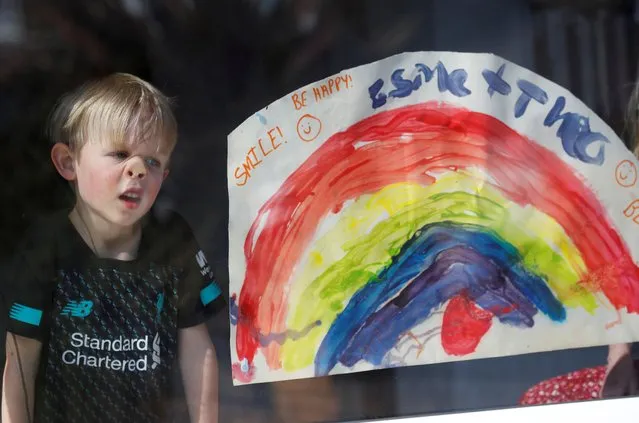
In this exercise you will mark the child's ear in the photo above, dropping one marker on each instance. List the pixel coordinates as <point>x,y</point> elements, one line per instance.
<point>63,161</point>
<point>165,174</point>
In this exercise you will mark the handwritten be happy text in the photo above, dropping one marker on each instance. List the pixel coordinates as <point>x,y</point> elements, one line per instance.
<point>322,90</point>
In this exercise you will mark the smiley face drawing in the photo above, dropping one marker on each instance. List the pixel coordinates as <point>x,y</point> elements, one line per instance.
<point>308,127</point>
<point>626,173</point>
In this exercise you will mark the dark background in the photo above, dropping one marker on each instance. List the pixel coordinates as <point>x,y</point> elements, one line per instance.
<point>223,60</point>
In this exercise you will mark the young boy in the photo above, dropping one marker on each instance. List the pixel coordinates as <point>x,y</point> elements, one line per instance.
<point>107,299</point>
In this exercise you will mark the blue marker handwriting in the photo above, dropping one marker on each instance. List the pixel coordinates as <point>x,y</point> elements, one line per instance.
<point>402,87</point>
<point>573,129</point>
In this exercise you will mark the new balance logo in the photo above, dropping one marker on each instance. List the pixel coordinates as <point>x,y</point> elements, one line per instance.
<point>77,309</point>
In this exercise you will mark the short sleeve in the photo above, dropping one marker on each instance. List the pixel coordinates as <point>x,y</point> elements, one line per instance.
<point>29,285</point>
<point>200,296</point>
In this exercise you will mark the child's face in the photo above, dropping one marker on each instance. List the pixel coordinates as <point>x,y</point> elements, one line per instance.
<point>119,184</point>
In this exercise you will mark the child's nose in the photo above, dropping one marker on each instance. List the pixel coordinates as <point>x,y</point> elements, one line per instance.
<point>136,168</point>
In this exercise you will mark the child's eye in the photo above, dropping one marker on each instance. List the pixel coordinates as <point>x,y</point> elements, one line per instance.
<point>121,155</point>
<point>153,162</point>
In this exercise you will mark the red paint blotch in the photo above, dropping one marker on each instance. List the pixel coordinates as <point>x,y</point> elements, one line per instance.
<point>464,325</point>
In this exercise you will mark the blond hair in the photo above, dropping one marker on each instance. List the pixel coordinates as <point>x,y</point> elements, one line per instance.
<point>120,109</point>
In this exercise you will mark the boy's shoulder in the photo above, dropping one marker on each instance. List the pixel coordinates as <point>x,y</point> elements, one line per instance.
<point>45,231</point>
<point>168,235</point>
<point>169,226</point>
<point>35,254</point>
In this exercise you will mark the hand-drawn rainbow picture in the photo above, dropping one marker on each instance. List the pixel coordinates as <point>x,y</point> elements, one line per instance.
<point>419,229</point>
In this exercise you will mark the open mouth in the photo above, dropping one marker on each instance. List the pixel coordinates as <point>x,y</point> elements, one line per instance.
<point>131,199</point>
